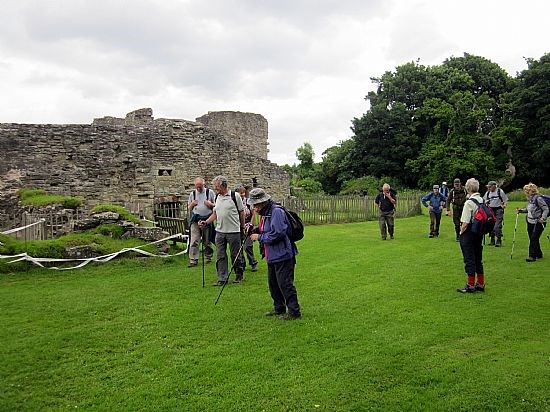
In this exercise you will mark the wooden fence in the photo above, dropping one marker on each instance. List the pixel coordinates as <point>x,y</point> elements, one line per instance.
<point>346,209</point>
<point>45,225</point>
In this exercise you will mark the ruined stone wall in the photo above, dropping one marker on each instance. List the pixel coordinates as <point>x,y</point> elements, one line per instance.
<point>247,130</point>
<point>136,159</point>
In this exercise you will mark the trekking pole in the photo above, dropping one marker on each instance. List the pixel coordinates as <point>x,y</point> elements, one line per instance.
<point>202,238</point>
<point>514,240</point>
<point>232,267</point>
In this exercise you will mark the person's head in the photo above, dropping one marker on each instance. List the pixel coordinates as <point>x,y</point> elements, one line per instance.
<point>472,185</point>
<point>220,184</point>
<point>530,189</point>
<point>457,183</point>
<point>241,190</point>
<point>435,189</point>
<point>199,183</point>
<point>386,188</point>
<point>444,184</point>
<point>492,185</point>
<point>258,198</point>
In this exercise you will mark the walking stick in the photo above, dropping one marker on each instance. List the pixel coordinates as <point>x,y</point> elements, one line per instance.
<point>514,240</point>
<point>202,238</point>
<point>232,267</point>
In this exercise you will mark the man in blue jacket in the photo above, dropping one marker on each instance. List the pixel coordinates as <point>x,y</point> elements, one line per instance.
<point>437,203</point>
<point>279,252</point>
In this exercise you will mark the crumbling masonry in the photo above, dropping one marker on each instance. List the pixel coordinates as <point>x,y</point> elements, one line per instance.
<point>139,159</point>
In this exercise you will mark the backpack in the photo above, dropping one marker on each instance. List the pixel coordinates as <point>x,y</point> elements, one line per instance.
<point>484,219</point>
<point>546,199</point>
<point>233,197</point>
<point>195,193</point>
<point>296,224</point>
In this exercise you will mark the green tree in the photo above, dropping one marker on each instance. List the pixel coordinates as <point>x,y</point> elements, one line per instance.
<point>337,166</point>
<point>530,102</point>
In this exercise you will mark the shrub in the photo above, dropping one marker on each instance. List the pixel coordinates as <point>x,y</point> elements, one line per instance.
<point>114,231</point>
<point>518,195</point>
<point>367,185</point>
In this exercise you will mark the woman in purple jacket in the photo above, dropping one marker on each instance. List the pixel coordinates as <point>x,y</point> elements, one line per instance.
<point>279,252</point>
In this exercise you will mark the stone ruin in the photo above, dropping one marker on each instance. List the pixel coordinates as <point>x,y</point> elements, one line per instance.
<point>136,161</point>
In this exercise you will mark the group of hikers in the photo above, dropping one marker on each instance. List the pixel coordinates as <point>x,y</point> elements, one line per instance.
<point>235,215</point>
<point>462,203</point>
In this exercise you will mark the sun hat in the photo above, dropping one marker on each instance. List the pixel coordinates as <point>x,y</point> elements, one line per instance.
<point>258,195</point>
<point>436,187</point>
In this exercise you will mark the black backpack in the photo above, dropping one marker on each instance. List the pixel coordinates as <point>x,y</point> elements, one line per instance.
<point>296,224</point>
<point>484,219</point>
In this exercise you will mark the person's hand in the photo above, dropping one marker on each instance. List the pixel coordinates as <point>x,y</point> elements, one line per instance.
<point>194,203</point>
<point>449,213</point>
<point>254,236</point>
<point>430,207</point>
<point>209,203</point>
<point>202,223</point>
<point>504,205</point>
<point>518,210</point>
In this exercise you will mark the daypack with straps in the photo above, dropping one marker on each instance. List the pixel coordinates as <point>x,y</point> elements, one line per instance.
<point>296,224</point>
<point>233,197</point>
<point>195,193</point>
<point>546,199</point>
<point>484,219</point>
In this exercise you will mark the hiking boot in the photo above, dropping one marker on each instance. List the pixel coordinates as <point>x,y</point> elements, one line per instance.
<point>274,313</point>
<point>431,235</point>
<point>479,288</point>
<point>192,263</point>
<point>498,243</point>
<point>467,289</point>
<point>238,280</point>
<point>383,238</point>
<point>219,283</point>
<point>492,243</point>
<point>531,259</point>
<point>290,316</point>
<point>391,237</point>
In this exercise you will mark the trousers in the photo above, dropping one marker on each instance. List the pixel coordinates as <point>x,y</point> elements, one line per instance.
<point>280,279</point>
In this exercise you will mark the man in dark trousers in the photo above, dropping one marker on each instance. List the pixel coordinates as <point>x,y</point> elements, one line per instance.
<point>280,253</point>
<point>457,197</point>
<point>437,203</point>
<point>386,201</point>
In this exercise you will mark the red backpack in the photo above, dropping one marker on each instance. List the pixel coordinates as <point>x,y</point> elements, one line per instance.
<point>484,219</point>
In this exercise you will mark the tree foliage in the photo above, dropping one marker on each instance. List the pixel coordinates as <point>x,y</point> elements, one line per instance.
<point>464,118</point>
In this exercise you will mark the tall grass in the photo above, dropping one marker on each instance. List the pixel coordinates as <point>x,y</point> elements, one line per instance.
<point>382,329</point>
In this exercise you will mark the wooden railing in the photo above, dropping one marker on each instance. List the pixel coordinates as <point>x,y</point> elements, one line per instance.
<point>346,209</point>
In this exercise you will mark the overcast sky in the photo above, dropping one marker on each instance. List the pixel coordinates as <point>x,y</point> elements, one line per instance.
<point>303,64</point>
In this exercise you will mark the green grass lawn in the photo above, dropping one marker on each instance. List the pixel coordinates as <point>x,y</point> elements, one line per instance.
<point>383,329</point>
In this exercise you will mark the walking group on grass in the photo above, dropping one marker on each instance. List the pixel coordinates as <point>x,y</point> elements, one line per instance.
<point>235,215</point>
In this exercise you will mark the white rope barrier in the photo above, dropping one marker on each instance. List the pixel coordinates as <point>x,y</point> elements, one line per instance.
<point>7,232</point>
<point>100,259</point>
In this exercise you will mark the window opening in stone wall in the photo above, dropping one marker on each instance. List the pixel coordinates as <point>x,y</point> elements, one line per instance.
<point>254,182</point>
<point>165,172</point>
